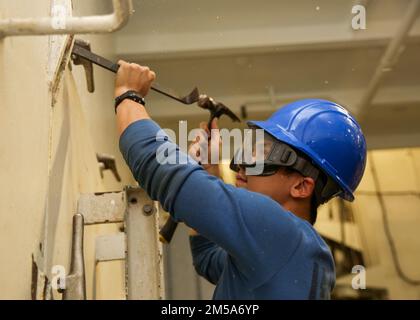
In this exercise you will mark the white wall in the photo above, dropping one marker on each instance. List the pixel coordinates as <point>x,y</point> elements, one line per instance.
<point>47,154</point>
<point>397,173</point>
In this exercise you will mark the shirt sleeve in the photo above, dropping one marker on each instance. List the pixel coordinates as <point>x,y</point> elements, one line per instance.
<point>250,227</point>
<point>208,258</point>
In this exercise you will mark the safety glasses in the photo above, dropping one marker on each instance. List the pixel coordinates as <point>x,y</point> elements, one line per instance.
<point>262,155</point>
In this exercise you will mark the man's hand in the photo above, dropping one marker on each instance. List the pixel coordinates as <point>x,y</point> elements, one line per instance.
<point>207,141</point>
<point>132,76</point>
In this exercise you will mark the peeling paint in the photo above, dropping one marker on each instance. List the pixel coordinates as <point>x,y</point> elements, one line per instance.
<point>58,74</point>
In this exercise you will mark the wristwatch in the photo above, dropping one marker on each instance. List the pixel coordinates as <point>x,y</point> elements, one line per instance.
<point>132,95</point>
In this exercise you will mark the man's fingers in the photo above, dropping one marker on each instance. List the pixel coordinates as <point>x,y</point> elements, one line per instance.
<point>194,152</point>
<point>136,67</point>
<point>123,63</point>
<point>152,76</point>
<point>203,125</point>
<point>144,71</point>
<point>215,123</point>
<point>203,136</point>
<point>132,76</point>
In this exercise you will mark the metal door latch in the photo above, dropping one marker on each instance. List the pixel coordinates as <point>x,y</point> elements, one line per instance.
<point>87,65</point>
<point>75,288</point>
<point>107,162</point>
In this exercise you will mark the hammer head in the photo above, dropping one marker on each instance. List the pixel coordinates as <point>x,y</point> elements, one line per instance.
<point>216,109</point>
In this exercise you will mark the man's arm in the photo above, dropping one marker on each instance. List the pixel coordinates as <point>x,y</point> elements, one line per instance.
<point>131,76</point>
<point>208,258</point>
<point>250,227</point>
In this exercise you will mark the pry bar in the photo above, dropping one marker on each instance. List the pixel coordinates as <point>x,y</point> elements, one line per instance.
<point>80,51</point>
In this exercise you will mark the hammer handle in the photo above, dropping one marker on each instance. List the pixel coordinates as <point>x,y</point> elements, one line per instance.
<point>168,230</point>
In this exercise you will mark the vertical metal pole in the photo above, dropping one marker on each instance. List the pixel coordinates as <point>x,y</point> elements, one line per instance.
<point>144,264</point>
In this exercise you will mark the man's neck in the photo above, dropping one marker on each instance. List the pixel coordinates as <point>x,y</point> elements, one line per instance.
<point>302,210</point>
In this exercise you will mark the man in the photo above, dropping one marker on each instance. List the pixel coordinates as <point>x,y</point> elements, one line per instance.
<point>255,242</point>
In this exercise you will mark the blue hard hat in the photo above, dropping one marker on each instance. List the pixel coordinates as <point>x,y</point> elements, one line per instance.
<point>325,132</point>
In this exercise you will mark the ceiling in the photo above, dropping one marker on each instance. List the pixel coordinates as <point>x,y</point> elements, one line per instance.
<point>263,54</point>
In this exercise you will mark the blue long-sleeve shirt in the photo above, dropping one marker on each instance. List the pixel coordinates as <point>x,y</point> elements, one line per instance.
<point>249,245</point>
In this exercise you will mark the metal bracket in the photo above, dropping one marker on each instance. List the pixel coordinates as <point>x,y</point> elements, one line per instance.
<point>107,162</point>
<point>139,245</point>
<point>144,267</point>
<point>100,208</point>
<point>87,65</point>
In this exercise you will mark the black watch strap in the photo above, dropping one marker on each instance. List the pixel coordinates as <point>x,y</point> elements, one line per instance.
<point>132,95</point>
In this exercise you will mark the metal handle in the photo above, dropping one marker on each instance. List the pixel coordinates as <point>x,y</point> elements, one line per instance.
<point>168,230</point>
<point>107,162</point>
<point>75,288</point>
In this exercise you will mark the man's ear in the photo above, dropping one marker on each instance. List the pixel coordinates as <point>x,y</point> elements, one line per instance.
<point>302,188</point>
